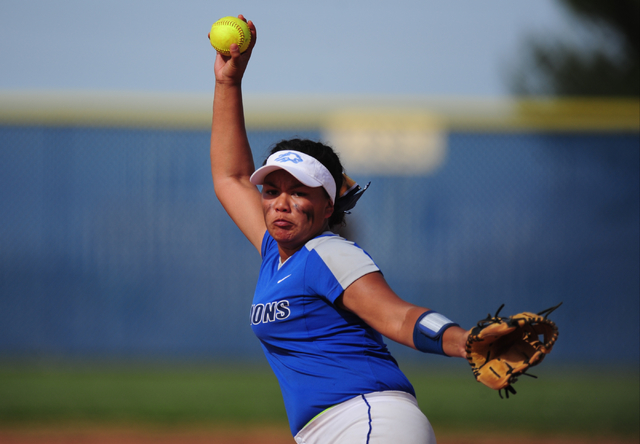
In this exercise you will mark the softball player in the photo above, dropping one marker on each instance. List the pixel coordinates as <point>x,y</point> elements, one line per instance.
<point>321,304</point>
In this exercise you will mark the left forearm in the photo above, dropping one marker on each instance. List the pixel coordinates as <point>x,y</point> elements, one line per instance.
<point>373,301</point>
<point>454,338</point>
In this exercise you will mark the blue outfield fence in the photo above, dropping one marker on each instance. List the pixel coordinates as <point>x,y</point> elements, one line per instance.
<point>112,243</point>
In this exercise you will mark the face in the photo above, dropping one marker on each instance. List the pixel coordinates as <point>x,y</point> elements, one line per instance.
<point>294,213</point>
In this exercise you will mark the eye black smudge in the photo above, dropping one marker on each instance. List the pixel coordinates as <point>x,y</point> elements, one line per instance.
<point>307,213</point>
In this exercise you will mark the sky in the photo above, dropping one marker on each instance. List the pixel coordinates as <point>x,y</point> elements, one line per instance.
<point>423,47</point>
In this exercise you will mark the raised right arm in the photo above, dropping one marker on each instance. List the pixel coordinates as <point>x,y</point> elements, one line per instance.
<point>231,158</point>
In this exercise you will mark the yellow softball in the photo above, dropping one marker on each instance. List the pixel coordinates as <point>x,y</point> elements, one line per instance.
<point>229,30</point>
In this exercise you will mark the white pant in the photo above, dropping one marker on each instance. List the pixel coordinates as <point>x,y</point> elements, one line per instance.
<point>389,417</point>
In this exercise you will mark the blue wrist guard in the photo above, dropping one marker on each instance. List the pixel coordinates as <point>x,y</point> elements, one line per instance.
<point>428,332</point>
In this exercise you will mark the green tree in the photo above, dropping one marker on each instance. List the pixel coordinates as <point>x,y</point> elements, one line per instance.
<point>608,64</point>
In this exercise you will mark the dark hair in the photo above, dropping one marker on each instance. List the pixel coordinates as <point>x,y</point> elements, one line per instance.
<point>326,156</point>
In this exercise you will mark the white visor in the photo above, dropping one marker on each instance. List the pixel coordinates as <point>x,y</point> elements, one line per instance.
<point>307,169</point>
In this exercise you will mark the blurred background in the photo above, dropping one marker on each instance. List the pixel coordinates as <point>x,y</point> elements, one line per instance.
<point>501,140</point>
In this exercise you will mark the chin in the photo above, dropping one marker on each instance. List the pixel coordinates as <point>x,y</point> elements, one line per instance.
<point>281,235</point>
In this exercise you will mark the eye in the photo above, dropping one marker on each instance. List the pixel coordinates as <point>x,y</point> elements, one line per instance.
<point>269,192</point>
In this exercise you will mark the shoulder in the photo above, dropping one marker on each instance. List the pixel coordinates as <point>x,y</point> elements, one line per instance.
<point>345,259</point>
<point>268,244</point>
<point>329,244</point>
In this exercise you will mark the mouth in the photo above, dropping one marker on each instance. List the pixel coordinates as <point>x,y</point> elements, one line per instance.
<point>282,223</point>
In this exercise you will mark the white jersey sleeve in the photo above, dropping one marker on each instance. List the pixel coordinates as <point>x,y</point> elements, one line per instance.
<point>346,260</point>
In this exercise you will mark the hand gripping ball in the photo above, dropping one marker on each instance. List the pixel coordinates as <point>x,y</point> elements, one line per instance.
<point>229,30</point>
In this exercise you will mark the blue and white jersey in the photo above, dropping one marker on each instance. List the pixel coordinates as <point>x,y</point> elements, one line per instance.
<point>321,355</point>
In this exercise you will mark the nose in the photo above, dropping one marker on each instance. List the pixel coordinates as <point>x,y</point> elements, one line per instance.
<point>282,203</point>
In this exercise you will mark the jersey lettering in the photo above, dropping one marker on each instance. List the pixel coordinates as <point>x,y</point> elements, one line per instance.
<point>256,313</point>
<point>283,310</point>
<point>270,312</point>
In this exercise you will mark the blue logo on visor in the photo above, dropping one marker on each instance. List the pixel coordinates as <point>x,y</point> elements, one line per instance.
<point>288,157</point>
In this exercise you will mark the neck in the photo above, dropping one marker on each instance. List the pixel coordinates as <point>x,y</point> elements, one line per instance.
<point>286,251</point>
